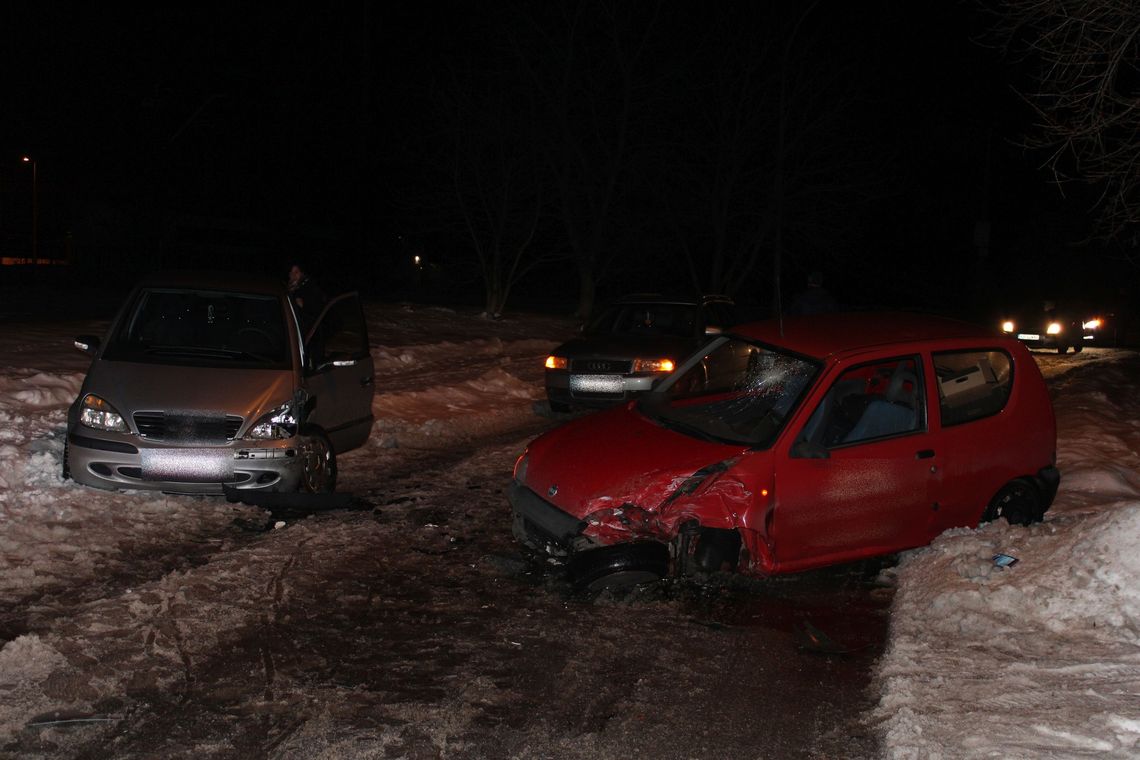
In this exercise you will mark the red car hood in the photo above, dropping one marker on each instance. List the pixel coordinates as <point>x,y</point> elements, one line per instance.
<point>615,457</point>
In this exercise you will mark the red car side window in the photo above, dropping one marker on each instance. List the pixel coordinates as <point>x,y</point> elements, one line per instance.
<point>972,384</point>
<point>872,401</point>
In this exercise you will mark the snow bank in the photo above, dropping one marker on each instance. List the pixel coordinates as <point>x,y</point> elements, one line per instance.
<point>26,665</point>
<point>472,408</point>
<point>1040,659</point>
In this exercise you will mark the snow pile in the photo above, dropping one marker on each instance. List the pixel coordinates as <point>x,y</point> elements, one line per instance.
<point>1040,659</point>
<point>25,664</point>
<point>474,407</point>
<point>442,376</point>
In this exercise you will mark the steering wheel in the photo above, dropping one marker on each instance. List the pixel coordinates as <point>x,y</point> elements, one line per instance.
<point>265,337</point>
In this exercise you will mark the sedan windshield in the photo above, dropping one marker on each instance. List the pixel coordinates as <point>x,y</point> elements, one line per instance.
<point>738,392</point>
<point>202,328</point>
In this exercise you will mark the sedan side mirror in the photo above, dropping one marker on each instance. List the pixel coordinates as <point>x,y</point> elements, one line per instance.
<point>809,450</point>
<point>88,344</point>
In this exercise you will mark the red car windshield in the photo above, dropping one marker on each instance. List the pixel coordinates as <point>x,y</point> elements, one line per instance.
<point>738,393</point>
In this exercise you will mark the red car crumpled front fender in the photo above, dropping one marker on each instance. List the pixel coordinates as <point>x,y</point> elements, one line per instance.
<point>629,479</point>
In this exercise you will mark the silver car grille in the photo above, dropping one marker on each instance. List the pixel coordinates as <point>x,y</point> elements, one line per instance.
<point>601,366</point>
<point>161,426</point>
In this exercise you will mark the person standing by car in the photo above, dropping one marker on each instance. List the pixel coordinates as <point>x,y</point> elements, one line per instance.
<point>814,299</point>
<point>307,297</point>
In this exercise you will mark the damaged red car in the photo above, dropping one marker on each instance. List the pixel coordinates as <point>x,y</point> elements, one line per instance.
<point>786,446</point>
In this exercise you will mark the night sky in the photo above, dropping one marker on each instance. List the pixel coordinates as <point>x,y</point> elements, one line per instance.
<point>642,139</point>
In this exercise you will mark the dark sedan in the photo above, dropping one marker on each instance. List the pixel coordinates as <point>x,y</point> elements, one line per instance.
<point>630,345</point>
<point>1053,328</point>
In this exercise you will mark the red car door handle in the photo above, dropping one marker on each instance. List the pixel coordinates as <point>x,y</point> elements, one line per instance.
<point>925,454</point>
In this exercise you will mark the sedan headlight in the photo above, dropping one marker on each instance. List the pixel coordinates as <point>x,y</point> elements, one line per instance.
<point>1092,324</point>
<point>278,424</point>
<point>1007,326</point>
<point>653,365</point>
<point>96,413</point>
<point>556,362</point>
<point>1054,328</point>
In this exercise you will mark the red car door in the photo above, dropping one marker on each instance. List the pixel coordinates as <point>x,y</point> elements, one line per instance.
<point>858,479</point>
<point>982,438</point>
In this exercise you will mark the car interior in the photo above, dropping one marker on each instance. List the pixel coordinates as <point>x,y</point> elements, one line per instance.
<point>868,402</point>
<point>972,384</point>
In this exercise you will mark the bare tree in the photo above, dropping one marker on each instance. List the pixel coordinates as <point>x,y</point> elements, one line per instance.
<point>771,160</point>
<point>1086,94</point>
<point>496,178</point>
<point>722,221</point>
<point>587,61</point>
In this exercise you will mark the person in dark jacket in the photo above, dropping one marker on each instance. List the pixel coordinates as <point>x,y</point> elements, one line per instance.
<point>308,299</point>
<point>814,299</point>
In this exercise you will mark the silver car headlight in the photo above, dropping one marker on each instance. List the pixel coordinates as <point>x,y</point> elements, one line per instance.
<point>96,413</point>
<point>1054,328</point>
<point>275,425</point>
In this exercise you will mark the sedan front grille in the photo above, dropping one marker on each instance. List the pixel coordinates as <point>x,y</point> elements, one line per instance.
<point>602,366</point>
<point>161,426</point>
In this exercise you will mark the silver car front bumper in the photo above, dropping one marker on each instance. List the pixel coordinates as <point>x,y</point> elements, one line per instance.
<point>128,461</point>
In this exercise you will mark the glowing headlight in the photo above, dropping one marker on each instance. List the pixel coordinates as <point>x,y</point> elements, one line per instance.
<point>1092,324</point>
<point>1054,328</point>
<point>278,424</point>
<point>1007,326</point>
<point>653,365</point>
<point>556,362</point>
<point>98,414</point>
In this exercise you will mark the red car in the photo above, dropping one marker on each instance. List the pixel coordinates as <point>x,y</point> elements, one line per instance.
<point>787,446</point>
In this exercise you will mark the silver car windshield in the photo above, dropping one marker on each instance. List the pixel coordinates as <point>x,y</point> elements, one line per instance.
<point>738,392</point>
<point>202,328</point>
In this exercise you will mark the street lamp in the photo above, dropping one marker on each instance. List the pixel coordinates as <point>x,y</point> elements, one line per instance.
<point>35,210</point>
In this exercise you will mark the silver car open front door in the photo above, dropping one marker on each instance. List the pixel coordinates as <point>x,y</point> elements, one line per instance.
<point>339,373</point>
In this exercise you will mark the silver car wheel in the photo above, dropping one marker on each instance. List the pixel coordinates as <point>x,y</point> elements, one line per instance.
<point>319,472</point>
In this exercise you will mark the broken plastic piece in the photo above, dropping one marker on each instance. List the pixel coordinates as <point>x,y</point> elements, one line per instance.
<point>811,638</point>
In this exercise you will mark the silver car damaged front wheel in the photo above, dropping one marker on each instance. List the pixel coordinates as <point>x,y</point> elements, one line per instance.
<point>318,474</point>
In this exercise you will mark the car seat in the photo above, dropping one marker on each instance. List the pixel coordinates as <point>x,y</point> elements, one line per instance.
<point>894,412</point>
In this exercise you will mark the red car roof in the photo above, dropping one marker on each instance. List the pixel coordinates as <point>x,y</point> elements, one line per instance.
<point>821,335</point>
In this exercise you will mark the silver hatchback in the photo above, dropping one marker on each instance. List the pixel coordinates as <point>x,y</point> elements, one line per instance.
<point>205,383</point>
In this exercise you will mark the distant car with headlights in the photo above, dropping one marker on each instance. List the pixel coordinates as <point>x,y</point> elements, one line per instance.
<point>783,447</point>
<point>1055,329</point>
<point>628,346</point>
<point>205,382</point>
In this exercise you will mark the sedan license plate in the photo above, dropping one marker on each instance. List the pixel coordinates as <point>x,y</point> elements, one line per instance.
<point>188,465</point>
<point>596,383</point>
<point>1028,336</point>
